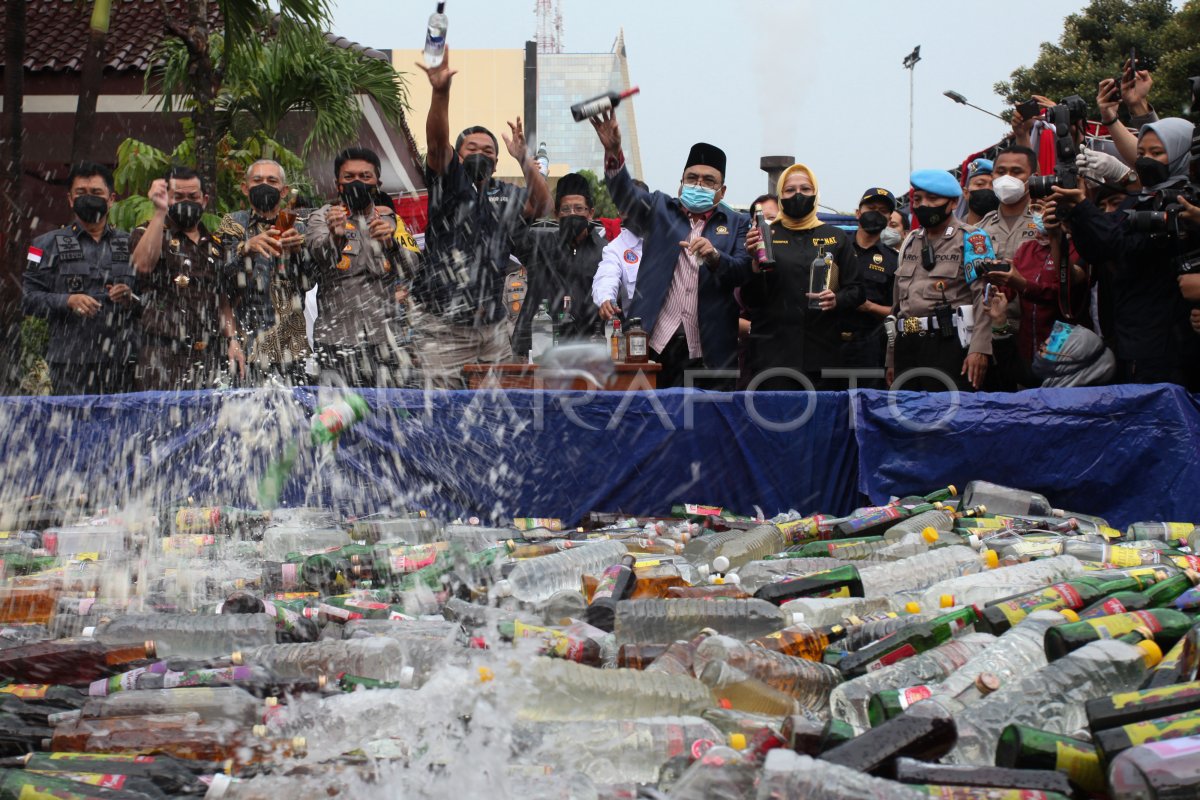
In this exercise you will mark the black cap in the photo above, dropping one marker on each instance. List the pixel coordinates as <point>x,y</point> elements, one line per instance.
<point>572,183</point>
<point>706,155</point>
<point>879,193</point>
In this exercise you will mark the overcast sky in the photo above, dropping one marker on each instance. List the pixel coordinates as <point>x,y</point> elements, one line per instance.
<point>822,82</point>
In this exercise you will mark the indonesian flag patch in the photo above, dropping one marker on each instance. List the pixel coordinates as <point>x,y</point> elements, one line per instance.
<point>35,255</point>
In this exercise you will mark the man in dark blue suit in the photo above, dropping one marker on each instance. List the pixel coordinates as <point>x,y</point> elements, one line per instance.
<point>693,257</point>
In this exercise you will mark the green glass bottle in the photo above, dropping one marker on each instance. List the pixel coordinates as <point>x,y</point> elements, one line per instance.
<point>907,642</point>
<point>874,521</point>
<point>1029,748</point>
<point>1125,708</point>
<point>1114,741</point>
<point>839,582</point>
<point>1181,663</point>
<point>1000,615</point>
<point>891,703</point>
<point>1167,626</point>
<point>828,549</point>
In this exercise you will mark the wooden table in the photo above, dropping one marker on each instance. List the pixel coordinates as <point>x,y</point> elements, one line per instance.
<point>525,376</point>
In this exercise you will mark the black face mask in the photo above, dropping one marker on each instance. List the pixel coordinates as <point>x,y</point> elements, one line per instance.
<point>1151,172</point>
<point>932,216</point>
<point>90,208</point>
<point>983,201</point>
<point>478,167</point>
<point>358,197</point>
<point>186,215</point>
<point>571,227</point>
<point>264,198</point>
<point>872,222</point>
<point>799,206</point>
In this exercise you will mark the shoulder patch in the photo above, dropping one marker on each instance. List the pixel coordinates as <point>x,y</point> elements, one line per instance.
<point>630,256</point>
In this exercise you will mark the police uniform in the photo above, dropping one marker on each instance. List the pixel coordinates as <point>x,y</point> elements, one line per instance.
<point>1008,234</point>
<point>927,306</point>
<point>269,297</point>
<point>864,344</point>
<point>86,355</point>
<point>182,345</point>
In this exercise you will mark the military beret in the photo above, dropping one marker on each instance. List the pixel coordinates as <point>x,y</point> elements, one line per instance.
<point>936,181</point>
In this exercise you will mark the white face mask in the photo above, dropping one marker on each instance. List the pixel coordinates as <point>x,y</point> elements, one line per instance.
<point>1008,189</point>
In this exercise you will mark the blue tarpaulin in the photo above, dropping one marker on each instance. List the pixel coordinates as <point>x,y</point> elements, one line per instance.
<point>1126,453</point>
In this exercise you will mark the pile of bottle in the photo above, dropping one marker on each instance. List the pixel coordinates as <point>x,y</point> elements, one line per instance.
<point>982,646</point>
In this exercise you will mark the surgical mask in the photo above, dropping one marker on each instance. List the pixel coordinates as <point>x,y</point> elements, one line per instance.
<point>872,222</point>
<point>90,208</point>
<point>1151,172</point>
<point>264,198</point>
<point>1008,189</point>
<point>478,167</point>
<point>697,199</point>
<point>571,226</point>
<point>186,215</point>
<point>983,201</point>
<point>932,216</point>
<point>358,196</point>
<point>798,206</point>
<point>1040,223</point>
<point>890,237</point>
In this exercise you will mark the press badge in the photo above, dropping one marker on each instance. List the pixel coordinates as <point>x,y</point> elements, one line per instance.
<point>977,246</point>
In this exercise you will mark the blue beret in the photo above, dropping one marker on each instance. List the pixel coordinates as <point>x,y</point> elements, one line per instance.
<point>936,181</point>
<point>980,166</point>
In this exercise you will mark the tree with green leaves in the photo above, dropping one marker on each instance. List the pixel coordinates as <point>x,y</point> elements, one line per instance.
<point>1095,45</point>
<point>91,73</point>
<point>602,201</point>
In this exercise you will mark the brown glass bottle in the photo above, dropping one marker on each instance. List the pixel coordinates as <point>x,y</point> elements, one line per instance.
<point>801,641</point>
<point>637,343</point>
<point>69,662</point>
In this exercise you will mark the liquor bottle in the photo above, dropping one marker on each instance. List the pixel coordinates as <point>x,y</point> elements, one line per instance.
<point>765,254</point>
<point>1075,594</point>
<point>617,342</point>
<point>1006,500</point>
<point>801,641</point>
<point>805,736</point>
<point>808,682</point>
<point>1158,770</point>
<point>1023,747</point>
<point>789,774</point>
<point>680,657</point>
<point>733,688</point>
<point>542,332</point>
<point>637,342</point>
<point>1114,741</point>
<point>928,736</point>
<point>639,656</point>
<point>15,783</point>
<point>907,642</point>
<point>568,691</point>
<point>819,276</point>
<point>171,775</point>
<point>1181,664</point>
<point>435,37</point>
<point>840,582</point>
<point>891,703</point>
<point>193,742</point>
<point>1126,708</point>
<point>616,584</point>
<point>597,334</point>
<point>332,420</point>
<point>565,324</point>
<point>1166,625</point>
<point>69,662</point>
<point>1160,531</point>
<point>601,103</point>
<point>671,620</point>
<point>910,770</point>
<point>555,643</point>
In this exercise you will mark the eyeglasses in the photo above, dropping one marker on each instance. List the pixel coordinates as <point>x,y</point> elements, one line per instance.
<point>569,210</point>
<point>707,181</point>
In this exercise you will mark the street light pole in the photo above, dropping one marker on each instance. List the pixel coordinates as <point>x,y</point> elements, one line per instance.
<point>910,64</point>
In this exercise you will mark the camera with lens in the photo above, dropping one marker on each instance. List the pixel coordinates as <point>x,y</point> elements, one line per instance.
<point>1070,112</point>
<point>1164,220</point>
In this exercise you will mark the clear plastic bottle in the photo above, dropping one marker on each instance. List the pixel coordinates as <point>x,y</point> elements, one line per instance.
<point>818,611</point>
<point>910,544</point>
<point>809,682</point>
<point>671,620</point>
<point>211,703</point>
<point>425,645</point>
<point>982,589</point>
<point>788,774</point>
<point>919,572</point>
<point>377,658</point>
<point>615,750</point>
<point>1051,698</point>
<point>851,700</point>
<point>564,690</point>
<point>1018,651</point>
<point>542,338</point>
<point>740,547</point>
<point>756,574</point>
<point>722,773</point>
<point>280,540</point>
<point>941,521</point>
<point>536,579</point>
<point>680,657</point>
<point>190,635</point>
<point>1006,500</point>
<point>435,37</point>
<point>733,688</point>
<point>860,635</point>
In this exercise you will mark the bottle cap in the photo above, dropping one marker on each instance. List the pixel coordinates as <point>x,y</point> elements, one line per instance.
<point>991,559</point>
<point>946,601</point>
<point>717,580</point>
<point>271,702</point>
<point>503,588</point>
<point>1069,614</point>
<point>151,650</point>
<point>1151,652</point>
<point>733,578</point>
<point>987,682</point>
<point>953,491</point>
<point>299,744</point>
<point>737,741</point>
<point>259,730</point>
<point>88,632</point>
<point>406,675</point>
<point>974,542</point>
<point>237,659</point>
<point>912,608</point>
<point>720,564</point>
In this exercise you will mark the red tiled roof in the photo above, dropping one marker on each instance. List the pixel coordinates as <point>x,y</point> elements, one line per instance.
<point>57,33</point>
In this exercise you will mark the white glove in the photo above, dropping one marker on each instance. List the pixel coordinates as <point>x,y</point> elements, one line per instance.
<point>1101,166</point>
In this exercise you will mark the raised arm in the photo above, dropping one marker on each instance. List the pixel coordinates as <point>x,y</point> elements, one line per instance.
<point>437,125</point>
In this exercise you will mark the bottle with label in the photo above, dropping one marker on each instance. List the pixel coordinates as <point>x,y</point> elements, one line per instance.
<point>71,662</point>
<point>1165,625</point>
<point>1075,594</point>
<point>637,342</point>
<point>803,735</point>
<point>542,332</point>
<point>808,682</point>
<point>840,582</point>
<point>616,583</point>
<point>1172,532</point>
<point>332,420</point>
<point>891,703</point>
<point>1023,747</point>
<point>1126,708</point>
<point>597,336</point>
<point>1180,665</point>
<point>617,342</point>
<point>1114,741</point>
<point>601,103</point>
<point>819,275</point>
<point>1007,500</point>
<point>1024,784</point>
<point>908,642</point>
<point>173,776</point>
<point>435,37</point>
<point>764,255</point>
<point>1002,584</point>
<point>801,641</point>
<point>1158,770</point>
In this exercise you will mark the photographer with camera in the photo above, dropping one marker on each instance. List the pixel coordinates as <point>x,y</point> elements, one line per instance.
<point>1143,244</point>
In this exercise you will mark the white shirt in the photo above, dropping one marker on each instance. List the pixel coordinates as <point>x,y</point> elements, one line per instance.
<point>618,269</point>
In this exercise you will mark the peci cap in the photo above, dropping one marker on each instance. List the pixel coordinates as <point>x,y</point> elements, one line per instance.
<point>936,181</point>
<point>879,193</point>
<point>706,155</point>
